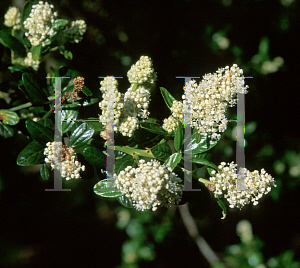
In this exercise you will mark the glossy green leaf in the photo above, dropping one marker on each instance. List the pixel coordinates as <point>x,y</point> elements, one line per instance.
<point>9,117</point>
<point>38,132</point>
<point>81,135</point>
<point>26,11</point>
<point>222,205</point>
<point>6,131</point>
<point>125,201</point>
<point>44,172</point>
<point>60,23</point>
<point>168,98</point>
<point>153,128</point>
<point>122,163</point>
<point>102,189</point>
<point>95,157</point>
<point>178,140</point>
<point>133,151</point>
<point>98,126</point>
<point>202,146</point>
<point>173,160</point>
<point>34,91</point>
<point>12,43</point>
<point>86,91</point>
<point>32,154</point>
<point>46,122</point>
<point>36,51</point>
<point>161,151</point>
<point>68,117</point>
<point>199,160</point>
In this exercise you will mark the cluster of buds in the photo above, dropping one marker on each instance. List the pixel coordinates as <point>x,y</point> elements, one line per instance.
<point>12,18</point>
<point>170,124</point>
<point>225,183</point>
<point>78,85</point>
<point>38,24</point>
<point>210,99</point>
<point>150,185</point>
<point>132,105</point>
<point>28,61</point>
<point>63,158</point>
<point>142,72</point>
<point>76,31</point>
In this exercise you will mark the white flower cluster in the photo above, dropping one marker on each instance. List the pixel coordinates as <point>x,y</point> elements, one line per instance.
<point>256,185</point>
<point>38,24</point>
<point>28,61</point>
<point>150,185</point>
<point>12,18</point>
<point>127,107</point>
<point>142,72</point>
<point>63,159</point>
<point>210,99</point>
<point>170,124</point>
<point>76,31</point>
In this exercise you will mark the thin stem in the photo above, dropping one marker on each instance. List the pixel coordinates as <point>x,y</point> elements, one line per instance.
<point>26,105</point>
<point>191,227</point>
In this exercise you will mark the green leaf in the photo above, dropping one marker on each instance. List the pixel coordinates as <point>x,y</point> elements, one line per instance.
<point>6,131</point>
<point>222,205</point>
<point>26,11</point>
<point>98,126</point>
<point>122,163</point>
<point>86,91</point>
<point>69,116</point>
<point>135,86</point>
<point>35,93</point>
<point>202,146</point>
<point>161,151</point>
<point>9,117</point>
<point>173,160</point>
<point>17,68</point>
<point>95,157</point>
<point>178,140</point>
<point>81,135</point>
<point>133,151</point>
<point>67,54</point>
<point>12,43</point>
<point>46,122</point>
<point>44,172</point>
<point>36,51</point>
<point>168,98</point>
<point>199,160</point>
<point>32,154</point>
<point>38,132</point>
<point>101,189</point>
<point>60,23</point>
<point>125,201</point>
<point>153,128</point>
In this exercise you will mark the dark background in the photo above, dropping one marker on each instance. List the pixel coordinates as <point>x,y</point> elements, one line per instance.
<point>51,229</point>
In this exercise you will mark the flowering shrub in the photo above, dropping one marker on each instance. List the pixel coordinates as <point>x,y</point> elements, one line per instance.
<point>149,155</point>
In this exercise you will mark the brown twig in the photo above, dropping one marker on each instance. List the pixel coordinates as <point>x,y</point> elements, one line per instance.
<point>191,227</point>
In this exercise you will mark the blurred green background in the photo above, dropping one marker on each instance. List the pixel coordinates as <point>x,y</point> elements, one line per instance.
<point>183,38</point>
